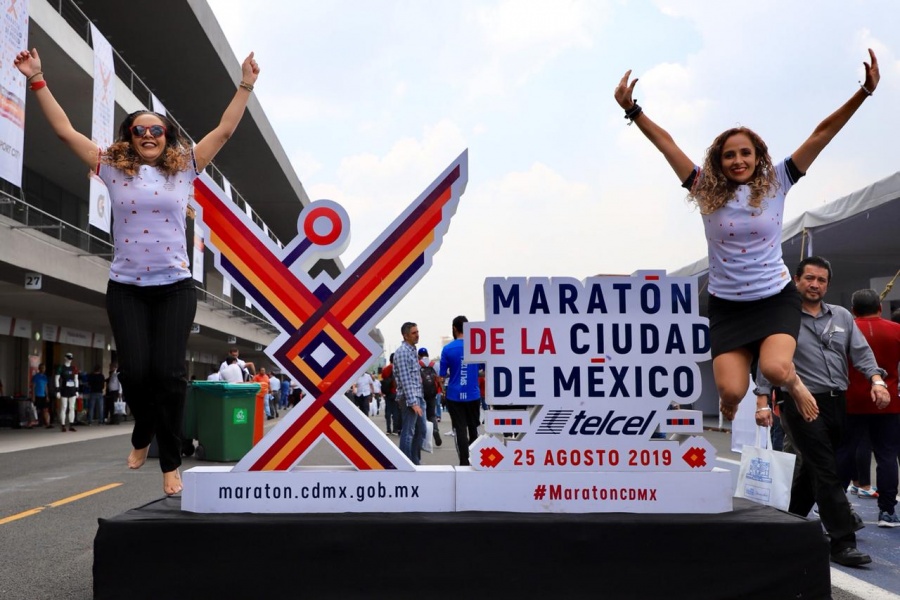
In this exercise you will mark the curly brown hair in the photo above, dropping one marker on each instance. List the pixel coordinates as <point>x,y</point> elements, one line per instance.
<point>713,189</point>
<point>121,154</point>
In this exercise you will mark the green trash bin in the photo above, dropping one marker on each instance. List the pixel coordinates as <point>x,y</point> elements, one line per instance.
<point>190,412</point>
<point>224,414</point>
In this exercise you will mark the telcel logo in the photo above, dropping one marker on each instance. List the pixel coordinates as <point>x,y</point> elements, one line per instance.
<point>611,424</point>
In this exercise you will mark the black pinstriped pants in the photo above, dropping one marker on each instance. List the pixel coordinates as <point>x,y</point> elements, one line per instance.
<point>151,325</point>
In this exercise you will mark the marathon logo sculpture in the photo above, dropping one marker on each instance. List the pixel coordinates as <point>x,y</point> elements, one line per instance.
<point>325,322</point>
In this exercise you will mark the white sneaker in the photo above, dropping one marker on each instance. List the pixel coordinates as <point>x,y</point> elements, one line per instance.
<point>867,493</point>
<point>450,433</point>
<point>888,520</point>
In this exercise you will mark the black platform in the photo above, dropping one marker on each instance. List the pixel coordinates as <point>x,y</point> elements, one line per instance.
<point>158,551</point>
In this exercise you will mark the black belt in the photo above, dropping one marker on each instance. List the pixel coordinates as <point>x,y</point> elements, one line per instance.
<point>830,394</point>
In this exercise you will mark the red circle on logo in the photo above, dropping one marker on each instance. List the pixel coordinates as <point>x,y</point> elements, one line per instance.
<point>322,212</point>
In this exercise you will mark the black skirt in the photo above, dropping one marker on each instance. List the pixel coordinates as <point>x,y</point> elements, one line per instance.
<point>734,325</point>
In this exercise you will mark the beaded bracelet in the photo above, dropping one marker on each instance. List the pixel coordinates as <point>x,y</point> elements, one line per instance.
<point>633,112</point>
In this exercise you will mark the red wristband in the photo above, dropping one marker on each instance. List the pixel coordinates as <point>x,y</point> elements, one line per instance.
<point>38,85</point>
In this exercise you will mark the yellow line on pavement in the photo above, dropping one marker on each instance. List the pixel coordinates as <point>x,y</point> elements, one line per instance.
<point>21,515</point>
<point>34,511</point>
<point>84,494</point>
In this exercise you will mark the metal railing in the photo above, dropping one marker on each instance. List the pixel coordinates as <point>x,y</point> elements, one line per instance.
<point>34,218</point>
<point>235,312</point>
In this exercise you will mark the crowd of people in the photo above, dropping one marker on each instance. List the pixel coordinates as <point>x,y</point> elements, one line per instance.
<point>67,397</point>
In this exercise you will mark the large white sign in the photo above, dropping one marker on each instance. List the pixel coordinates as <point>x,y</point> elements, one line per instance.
<point>595,368</point>
<point>14,14</point>
<point>594,374</point>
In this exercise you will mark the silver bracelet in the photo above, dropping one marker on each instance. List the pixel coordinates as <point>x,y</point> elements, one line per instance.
<point>764,408</point>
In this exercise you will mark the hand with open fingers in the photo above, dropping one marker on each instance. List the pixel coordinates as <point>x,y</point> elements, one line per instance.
<point>625,90</point>
<point>249,70</point>
<point>873,75</point>
<point>28,63</point>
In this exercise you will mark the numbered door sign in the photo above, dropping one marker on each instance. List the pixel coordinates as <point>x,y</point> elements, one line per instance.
<point>33,281</point>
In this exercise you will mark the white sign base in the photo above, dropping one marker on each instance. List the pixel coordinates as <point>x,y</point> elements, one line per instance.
<point>449,489</point>
<point>580,492</point>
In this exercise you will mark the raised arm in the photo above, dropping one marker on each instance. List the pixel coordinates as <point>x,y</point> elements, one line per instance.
<point>808,151</point>
<point>659,137</point>
<point>29,64</point>
<point>212,142</point>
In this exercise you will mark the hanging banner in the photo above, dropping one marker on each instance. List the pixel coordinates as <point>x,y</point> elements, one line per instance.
<point>156,105</point>
<point>197,269</point>
<point>102,126</point>
<point>50,333</point>
<point>226,283</point>
<point>12,94</point>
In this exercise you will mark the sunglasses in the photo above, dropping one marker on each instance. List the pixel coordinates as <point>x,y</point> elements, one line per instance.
<point>155,130</point>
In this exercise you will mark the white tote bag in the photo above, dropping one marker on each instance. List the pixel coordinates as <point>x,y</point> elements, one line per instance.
<point>428,444</point>
<point>766,475</point>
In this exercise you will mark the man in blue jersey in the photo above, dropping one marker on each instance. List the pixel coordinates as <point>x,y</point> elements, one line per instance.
<point>461,391</point>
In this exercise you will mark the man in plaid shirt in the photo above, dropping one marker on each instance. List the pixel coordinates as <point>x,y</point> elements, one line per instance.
<point>409,393</point>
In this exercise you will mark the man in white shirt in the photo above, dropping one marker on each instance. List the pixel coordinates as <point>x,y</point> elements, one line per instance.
<point>364,392</point>
<point>376,395</point>
<point>274,394</point>
<point>247,368</point>
<point>231,372</point>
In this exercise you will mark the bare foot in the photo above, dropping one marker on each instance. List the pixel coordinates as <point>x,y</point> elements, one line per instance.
<point>728,410</point>
<point>137,457</point>
<point>172,482</point>
<point>804,400</point>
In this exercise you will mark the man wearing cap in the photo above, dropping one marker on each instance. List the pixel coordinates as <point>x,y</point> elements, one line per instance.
<point>431,387</point>
<point>66,383</point>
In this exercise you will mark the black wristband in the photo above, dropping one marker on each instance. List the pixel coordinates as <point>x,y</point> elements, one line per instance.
<point>633,112</point>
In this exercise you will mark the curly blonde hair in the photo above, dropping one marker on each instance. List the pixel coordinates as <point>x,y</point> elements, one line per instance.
<point>121,154</point>
<point>713,189</point>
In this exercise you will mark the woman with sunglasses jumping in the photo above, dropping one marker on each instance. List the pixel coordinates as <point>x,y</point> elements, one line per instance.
<point>151,299</point>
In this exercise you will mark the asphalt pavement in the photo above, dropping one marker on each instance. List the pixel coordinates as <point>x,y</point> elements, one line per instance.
<point>56,485</point>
